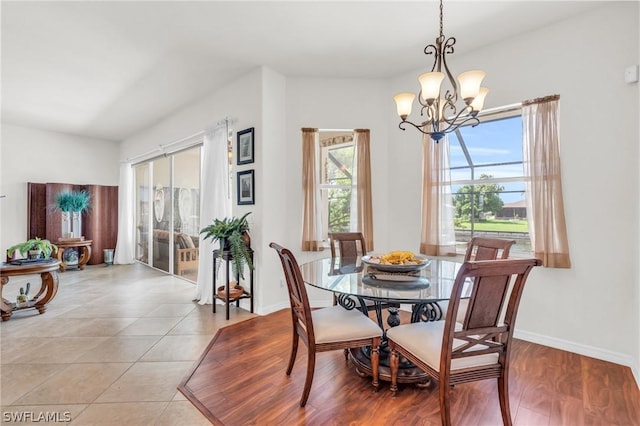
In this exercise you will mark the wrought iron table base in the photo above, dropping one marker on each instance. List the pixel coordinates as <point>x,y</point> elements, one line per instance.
<point>408,373</point>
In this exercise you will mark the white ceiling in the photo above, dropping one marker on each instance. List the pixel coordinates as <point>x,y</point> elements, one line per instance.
<point>110,69</point>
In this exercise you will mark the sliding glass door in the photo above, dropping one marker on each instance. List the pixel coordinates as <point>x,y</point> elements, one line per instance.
<point>162,214</point>
<point>167,212</point>
<point>186,211</point>
<point>142,203</point>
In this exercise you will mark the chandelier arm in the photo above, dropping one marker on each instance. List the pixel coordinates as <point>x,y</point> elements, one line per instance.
<point>470,119</point>
<point>457,116</point>
<point>446,50</point>
<point>454,126</point>
<point>418,127</point>
<point>432,49</point>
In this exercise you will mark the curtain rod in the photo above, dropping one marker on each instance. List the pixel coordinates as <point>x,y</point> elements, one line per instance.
<point>162,148</point>
<point>505,108</point>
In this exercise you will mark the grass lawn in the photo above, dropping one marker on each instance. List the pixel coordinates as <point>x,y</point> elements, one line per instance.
<point>497,226</point>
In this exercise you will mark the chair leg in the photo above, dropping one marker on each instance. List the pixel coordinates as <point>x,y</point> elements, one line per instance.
<point>294,352</point>
<point>375,362</point>
<point>445,405</point>
<point>503,393</point>
<point>311,365</point>
<point>394,364</point>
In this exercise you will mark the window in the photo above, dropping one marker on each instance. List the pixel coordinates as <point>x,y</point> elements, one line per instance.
<point>337,181</point>
<point>487,181</point>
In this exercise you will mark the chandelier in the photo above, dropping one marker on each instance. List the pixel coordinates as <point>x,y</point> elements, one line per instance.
<point>440,112</point>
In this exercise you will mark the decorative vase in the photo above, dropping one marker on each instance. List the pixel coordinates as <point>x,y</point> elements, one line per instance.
<point>35,254</point>
<point>66,225</point>
<point>22,301</point>
<point>76,224</point>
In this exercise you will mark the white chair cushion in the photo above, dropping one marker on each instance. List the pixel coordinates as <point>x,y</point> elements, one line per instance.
<point>337,324</point>
<point>424,340</point>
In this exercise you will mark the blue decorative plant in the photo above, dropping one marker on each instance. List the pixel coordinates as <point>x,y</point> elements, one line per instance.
<point>73,201</point>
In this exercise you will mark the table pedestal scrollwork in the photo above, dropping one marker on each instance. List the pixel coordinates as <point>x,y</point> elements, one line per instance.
<point>408,373</point>
<point>425,312</point>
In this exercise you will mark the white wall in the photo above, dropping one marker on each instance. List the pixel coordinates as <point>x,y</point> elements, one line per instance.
<point>591,308</point>
<point>272,158</point>
<point>337,104</point>
<point>30,155</point>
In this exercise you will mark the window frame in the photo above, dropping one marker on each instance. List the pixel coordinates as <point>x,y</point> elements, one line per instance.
<point>345,139</point>
<point>488,116</point>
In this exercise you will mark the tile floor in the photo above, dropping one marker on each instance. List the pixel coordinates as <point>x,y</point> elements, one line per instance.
<point>111,349</point>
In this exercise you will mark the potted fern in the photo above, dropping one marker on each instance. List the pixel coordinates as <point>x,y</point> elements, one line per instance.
<point>234,239</point>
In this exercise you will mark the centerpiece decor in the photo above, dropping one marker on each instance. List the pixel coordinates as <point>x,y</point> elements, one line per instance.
<point>233,234</point>
<point>72,204</point>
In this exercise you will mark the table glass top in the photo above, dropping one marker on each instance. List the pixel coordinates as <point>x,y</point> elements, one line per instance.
<point>351,276</point>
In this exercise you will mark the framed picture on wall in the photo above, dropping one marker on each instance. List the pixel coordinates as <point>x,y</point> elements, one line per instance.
<point>245,146</point>
<point>246,187</point>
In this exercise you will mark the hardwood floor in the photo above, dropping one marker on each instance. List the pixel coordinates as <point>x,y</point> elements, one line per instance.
<point>240,380</point>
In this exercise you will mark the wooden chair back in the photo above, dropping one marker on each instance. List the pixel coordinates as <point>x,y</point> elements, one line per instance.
<point>300,309</point>
<point>480,248</point>
<point>497,287</point>
<point>350,244</point>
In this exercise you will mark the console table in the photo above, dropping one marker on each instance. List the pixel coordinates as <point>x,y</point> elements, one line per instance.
<point>227,257</point>
<point>48,271</point>
<point>85,255</point>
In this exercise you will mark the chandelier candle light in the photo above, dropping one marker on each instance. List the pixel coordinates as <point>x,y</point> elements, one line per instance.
<point>442,115</point>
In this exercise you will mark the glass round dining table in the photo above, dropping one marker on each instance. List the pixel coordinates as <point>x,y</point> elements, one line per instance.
<point>360,285</point>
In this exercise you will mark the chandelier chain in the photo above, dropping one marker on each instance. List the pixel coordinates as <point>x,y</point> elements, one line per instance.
<point>441,18</point>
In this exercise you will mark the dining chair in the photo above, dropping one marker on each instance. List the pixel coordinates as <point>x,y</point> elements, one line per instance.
<point>325,329</point>
<point>482,248</point>
<point>476,349</point>
<point>349,244</point>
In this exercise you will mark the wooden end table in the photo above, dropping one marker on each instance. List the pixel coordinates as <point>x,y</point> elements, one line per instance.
<point>48,271</point>
<point>85,255</point>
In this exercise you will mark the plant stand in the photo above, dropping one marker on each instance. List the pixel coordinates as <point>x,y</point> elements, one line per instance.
<point>228,299</point>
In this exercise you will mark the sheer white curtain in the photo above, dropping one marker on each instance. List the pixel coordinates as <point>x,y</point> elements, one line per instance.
<point>438,236</point>
<point>541,158</point>
<point>311,209</point>
<point>361,199</point>
<point>125,246</point>
<point>215,202</point>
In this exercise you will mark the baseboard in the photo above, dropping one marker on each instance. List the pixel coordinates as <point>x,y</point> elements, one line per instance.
<point>578,348</point>
<point>266,310</point>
